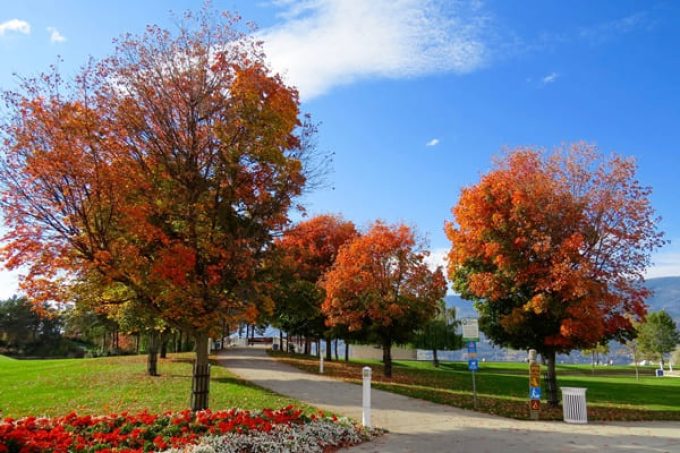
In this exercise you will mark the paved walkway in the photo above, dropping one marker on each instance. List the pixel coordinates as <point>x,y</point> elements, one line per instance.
<point>424,427</point>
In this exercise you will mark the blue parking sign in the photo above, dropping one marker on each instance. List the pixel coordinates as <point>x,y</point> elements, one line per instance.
<point>471,346</point>
<point>473,365</point>
<point>535,393</point>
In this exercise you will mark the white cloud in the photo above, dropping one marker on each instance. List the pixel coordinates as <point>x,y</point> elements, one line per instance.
<point>550,78</point>
<point>325,43</point>
<point>9,283</point>
<point>438,257</point>
<point>667,262</point>
<point>15,25</point>
<point>55,36</point>
<point>433,142</point>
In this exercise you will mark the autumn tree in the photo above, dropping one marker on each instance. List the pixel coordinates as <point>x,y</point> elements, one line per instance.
<point>307,252</point>
<point>167,167</point>
<point>381,286</point>
<point>658,336</point>
<point>553,248</point>
<point>439,333</point>
<point>121,309</point>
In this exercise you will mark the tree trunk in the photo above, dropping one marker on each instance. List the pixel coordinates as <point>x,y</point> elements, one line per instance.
<point>435,359</point>
<point>200,384</point>
<point>187,343</point>
<point>346,351</point>
<point>387,357</point>
<point>152,354</point>
<point>329,349</point>
<point>335,344</point>
<point>307,346</point>
<point>593,362</point>
<point>137,343</point>
<point>164,344</point>
<point>551,383</point>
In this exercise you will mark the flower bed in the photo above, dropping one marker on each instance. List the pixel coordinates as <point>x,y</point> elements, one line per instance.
<point>220,431</point>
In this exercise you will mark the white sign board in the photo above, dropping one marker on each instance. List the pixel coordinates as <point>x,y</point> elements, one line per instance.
<point>470,329</point>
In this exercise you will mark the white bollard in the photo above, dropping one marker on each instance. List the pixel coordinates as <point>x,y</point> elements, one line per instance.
<point>366,405</point>
<point>320,363</point>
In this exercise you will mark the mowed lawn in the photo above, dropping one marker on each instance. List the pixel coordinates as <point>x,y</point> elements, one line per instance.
<point>613,393</point>
<point>116,384</point>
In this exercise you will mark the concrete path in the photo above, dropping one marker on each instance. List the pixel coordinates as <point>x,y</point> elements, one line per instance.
<point>424,427</point>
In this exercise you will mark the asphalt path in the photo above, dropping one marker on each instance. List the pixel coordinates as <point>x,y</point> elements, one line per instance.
<point>420,426</point>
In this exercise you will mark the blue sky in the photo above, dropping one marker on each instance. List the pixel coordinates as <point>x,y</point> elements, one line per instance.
<point>416,96</point>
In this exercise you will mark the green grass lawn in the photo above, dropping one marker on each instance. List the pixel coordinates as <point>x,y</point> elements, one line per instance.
<point>613,392</point>
<point>115,384</point>
<point>609,385</point>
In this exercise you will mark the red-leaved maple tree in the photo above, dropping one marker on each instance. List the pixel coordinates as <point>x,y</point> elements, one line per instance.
<point>307,251</point>
<point>167,167</point>
<point>381,286</point>
<point>553,249</point>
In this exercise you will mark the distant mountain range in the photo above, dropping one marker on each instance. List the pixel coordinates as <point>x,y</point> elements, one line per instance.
<point>666,296</point>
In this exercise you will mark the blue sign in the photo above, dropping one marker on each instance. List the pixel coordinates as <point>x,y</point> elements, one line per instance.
<point>472,346</point>
<point>535,393</point>
<point>473,364</point>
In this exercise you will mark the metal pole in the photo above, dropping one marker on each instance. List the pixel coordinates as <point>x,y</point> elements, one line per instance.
<point>474,389</point>
<point>366,400</point>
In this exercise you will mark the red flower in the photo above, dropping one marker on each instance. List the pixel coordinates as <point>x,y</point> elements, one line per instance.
<point>127,433</point>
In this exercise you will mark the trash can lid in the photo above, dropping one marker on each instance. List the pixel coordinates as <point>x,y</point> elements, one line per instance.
<point>574,390</point>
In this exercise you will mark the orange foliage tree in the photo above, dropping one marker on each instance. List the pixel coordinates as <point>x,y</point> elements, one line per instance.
<point>381,286</point>
<point>167,167</point>
<point>308,250</point>
<point>553,250</point>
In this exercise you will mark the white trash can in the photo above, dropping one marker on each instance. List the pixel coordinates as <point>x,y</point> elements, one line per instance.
<point>574,405</point>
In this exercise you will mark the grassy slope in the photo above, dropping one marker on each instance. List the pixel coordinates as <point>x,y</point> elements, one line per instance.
<point>613,392</point>
<point>115,384</point>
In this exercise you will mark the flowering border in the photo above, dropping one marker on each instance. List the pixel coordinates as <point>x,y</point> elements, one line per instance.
<point>150,432</point>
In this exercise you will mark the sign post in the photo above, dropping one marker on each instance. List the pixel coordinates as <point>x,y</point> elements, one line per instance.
<point>471,337</point>
<point>534,386</point>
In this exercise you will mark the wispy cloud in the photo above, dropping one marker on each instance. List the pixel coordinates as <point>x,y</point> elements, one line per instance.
<point>55,36</point>
<point>667,262</point>
<point>605,31</point>
<point>16,26</point>
<point>550,78</point>
<point>433,142</point>
<point>325,43</point>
